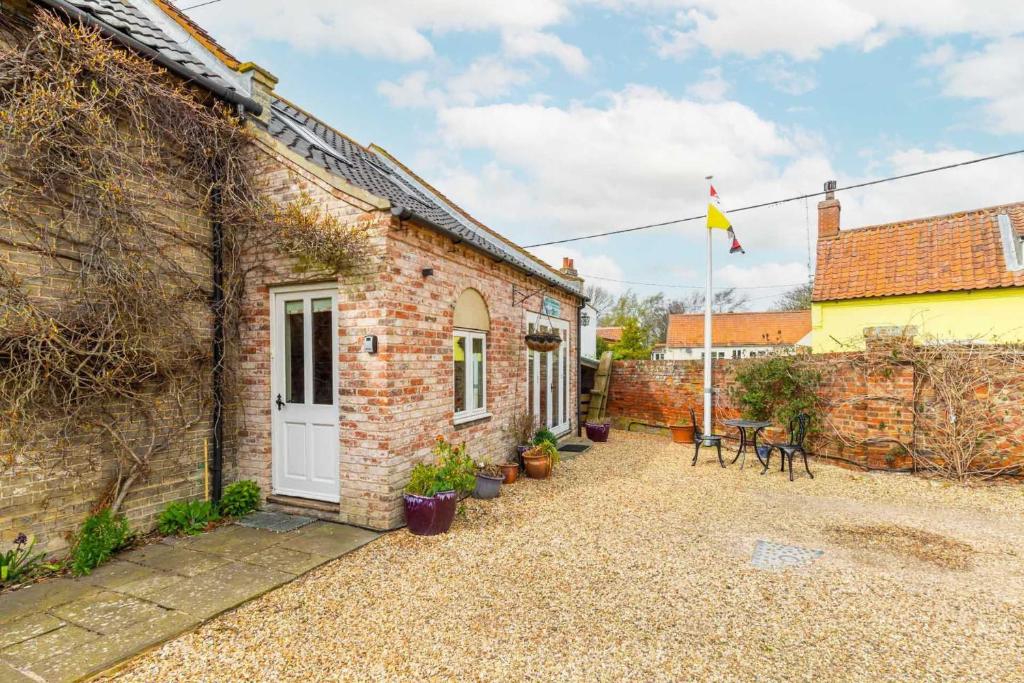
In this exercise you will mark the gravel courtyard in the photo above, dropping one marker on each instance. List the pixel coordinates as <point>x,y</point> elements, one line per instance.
<point>631,565</point>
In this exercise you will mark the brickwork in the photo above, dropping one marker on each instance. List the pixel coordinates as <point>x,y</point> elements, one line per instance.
<point>873,407</point>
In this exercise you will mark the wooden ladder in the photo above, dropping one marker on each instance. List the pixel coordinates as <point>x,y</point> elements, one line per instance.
<point>599,394</point>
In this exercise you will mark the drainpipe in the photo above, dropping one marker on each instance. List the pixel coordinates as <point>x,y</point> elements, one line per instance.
<point>217,306</point>
<point>579,331</point>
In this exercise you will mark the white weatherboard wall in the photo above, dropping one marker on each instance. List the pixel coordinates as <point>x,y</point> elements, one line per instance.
<point>588,334</point>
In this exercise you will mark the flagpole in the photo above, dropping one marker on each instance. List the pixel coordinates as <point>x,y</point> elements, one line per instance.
<point>707,333</point>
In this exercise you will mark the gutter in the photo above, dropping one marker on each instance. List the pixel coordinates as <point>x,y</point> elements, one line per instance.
<point>405,214</point>
<point>223,92</point>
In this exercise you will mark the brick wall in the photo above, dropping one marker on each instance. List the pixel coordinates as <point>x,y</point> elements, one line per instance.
<point>873,407</point>
<point>393,403</point>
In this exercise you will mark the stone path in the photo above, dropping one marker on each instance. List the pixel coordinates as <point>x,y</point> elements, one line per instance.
<point>68,629</point>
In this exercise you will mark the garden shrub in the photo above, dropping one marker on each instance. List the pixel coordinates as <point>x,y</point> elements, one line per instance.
<point>239,499</point>
<point>187,518</point>
<point>453,471</point>
<point>544,435</point>
<point>102,534</point>
<point>776,388</point>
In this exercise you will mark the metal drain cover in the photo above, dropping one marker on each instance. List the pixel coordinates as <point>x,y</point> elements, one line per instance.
<point>771,555</point>
<point>274,521</point>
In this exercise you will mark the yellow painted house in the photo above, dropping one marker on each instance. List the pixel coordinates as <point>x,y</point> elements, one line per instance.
<point>956,277</point>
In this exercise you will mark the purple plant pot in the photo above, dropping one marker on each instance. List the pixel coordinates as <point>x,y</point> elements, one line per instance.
<point>429,516</point>
<point>520,449</point>
<point>598,432</point>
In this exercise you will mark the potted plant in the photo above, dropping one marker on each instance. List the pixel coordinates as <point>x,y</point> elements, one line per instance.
<point>682,433</point>
<point>488,478</point>
<point>510,470</point>
<point>520,430</point>
<point>543,341</point>
<point>433,490</point>
<point>540,459</point>
<point>598,431</point>
<point>545,435</point>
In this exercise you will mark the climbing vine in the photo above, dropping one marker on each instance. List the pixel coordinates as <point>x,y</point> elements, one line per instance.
<point>110,172</point>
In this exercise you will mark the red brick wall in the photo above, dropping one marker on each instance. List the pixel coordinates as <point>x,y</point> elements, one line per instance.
<point>393,403</point>
<point>865,413</point>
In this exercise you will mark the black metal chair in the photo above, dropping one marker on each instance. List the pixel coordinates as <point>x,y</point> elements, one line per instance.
<point>699,439</point>
<point>797,434</point>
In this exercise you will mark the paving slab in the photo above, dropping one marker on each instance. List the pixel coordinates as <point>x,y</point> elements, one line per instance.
<point>8,674</point>
<point>213,592</point>
<point>184,561</point>
<point>103,653</point>
<point>41,597</point>
<point>69,629</point>
<point>329,540</point>
<point>106,612</point>
<point>34,652</point>
<point>31,626</point>
<point>118,573</point>
<point>274,521</point>
<point>285,560</point>
<point>234,541</point>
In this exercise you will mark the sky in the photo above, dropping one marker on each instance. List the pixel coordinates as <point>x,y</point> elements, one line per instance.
<point>550,119</point>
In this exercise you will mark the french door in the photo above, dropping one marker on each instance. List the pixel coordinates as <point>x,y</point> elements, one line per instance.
<point>548,376</point>
<point>304,392</point>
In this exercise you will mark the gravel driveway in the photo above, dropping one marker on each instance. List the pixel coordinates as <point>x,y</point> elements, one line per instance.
<point>631,565</point>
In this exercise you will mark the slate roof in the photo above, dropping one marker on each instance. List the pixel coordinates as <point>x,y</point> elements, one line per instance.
<point>956,252</point>
<point>382,175</point>
<point>126,17</point>
<point>780,328</point>
<point>379,174</point>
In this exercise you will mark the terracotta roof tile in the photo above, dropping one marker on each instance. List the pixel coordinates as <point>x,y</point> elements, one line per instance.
<point>610,334</point>
<point>739,329</point>
<point>960,251</point>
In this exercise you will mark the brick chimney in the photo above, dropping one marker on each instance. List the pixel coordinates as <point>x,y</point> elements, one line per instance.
<point>261,83</point>
<point>828,212</point>
<point>568,268</point>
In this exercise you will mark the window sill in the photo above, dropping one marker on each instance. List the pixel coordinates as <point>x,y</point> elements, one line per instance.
<point>470,418</point>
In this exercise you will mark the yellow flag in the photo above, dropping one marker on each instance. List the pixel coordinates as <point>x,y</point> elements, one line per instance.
<point>717,219</point>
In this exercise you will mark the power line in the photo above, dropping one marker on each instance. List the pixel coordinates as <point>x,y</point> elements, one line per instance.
<point>700,287</point>
<point>199,4</point>
<point>786,200</point>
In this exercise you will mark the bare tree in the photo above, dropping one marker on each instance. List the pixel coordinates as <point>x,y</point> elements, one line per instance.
<point>796,299</point>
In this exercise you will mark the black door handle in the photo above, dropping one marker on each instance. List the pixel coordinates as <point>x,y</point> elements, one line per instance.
<point>279,402</point>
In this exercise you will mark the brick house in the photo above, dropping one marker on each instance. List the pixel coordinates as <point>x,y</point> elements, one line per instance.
<point>737,335</point>
<point>348,378</point>
<point>955,277</point>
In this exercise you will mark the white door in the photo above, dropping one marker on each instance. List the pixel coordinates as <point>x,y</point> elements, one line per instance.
<point>304,393</point>
<point>548,374</point>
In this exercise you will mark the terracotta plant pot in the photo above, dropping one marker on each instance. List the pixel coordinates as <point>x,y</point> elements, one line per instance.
<point>487,486</point>
<point>598,432</point>
<point>537,466</point>
<point>510,472</point>
<point>430,515</point>
<point>682,434</point>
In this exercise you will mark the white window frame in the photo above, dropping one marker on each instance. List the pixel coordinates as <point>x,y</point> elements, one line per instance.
<point>480,412</point>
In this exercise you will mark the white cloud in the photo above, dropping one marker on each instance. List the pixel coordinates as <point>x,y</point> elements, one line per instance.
<point>711,88</point>
<point>391,29</point>
<point>485,79</point>
<point>523,44</point>
<point>769,274</point>
<point>785,78</point>
<point>803,29</point>
<point>940,56</point>
<point>602,269</point>
<point>994,74</point>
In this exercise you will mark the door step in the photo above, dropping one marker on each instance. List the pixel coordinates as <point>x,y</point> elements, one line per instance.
<point>319,509</point>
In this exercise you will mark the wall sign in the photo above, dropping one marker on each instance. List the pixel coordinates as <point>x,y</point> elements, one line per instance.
<point>552,307</point>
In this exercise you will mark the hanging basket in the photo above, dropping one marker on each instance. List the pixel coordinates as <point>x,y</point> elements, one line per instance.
<point>543,341</point>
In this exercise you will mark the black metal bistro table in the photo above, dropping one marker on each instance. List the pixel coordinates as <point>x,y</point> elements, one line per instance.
<point>747,438</point>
